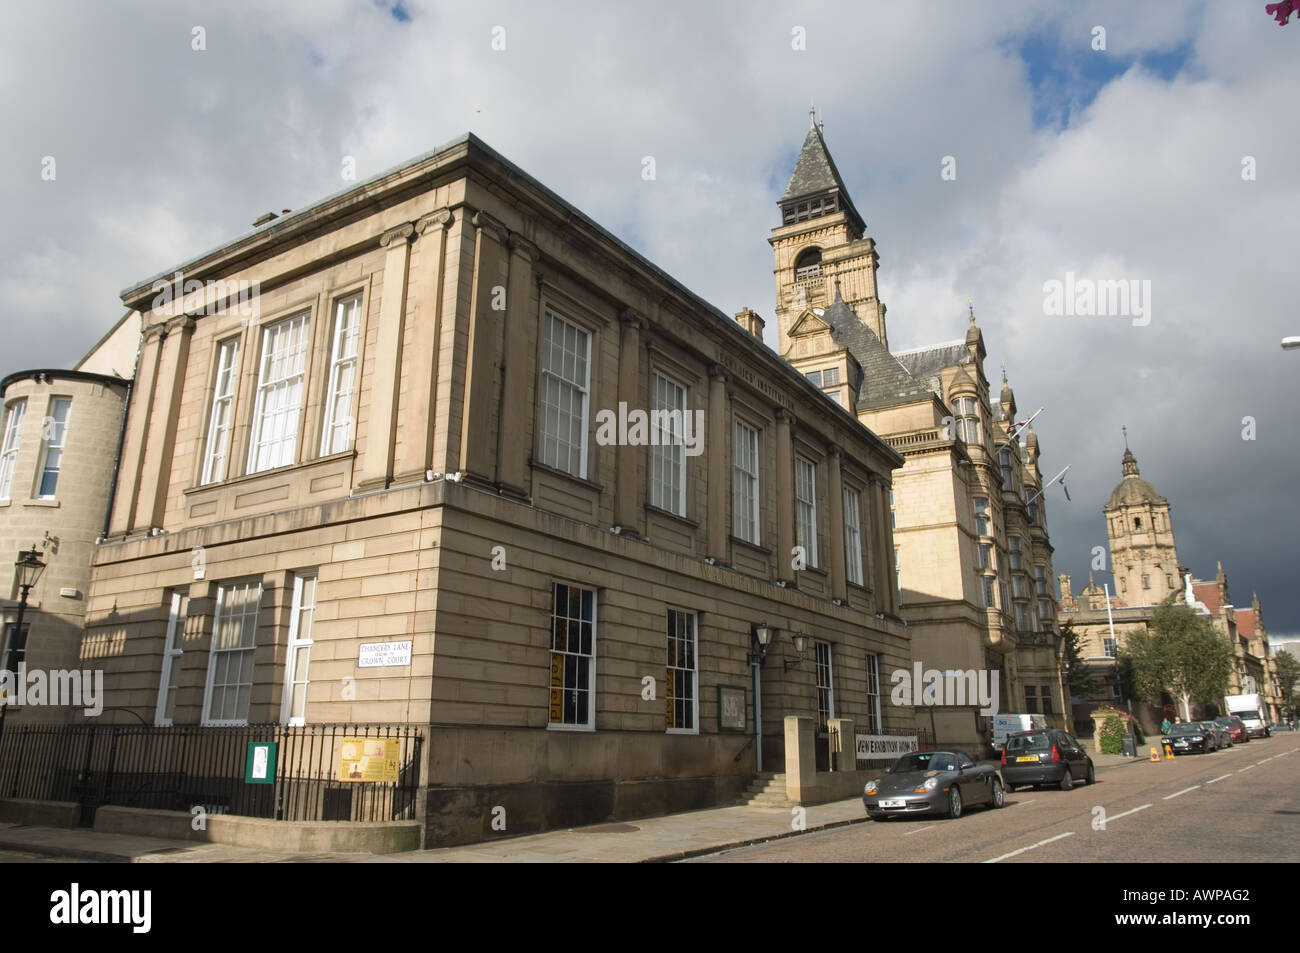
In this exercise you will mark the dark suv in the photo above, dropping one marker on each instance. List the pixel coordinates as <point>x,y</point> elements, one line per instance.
<point>1045,756</point>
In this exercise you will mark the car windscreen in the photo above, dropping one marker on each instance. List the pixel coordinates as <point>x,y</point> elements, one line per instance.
<point>924,761</point>
<point>1225,722</point>
<point>1038,741</point>
<point>1252,715</point>
<point>1186,730</point>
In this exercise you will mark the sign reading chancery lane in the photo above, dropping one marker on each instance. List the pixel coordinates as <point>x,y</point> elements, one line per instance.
<point>884,747</point>
<point>379,654</point>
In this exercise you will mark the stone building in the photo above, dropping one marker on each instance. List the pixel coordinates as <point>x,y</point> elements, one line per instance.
<point>466,461</point>
<point>1147,572</point>
<point>61,432</point>
<point>972,554</point>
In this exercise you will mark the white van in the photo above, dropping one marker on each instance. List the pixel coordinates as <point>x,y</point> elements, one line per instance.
<point>1004,725</point>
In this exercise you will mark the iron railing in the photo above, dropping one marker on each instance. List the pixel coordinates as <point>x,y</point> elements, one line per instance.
<point>187,766</point>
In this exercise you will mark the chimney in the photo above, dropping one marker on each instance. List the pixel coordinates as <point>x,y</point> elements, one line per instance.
<point>748,319</point>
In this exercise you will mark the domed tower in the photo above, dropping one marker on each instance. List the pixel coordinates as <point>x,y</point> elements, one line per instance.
<point>1142,555</point>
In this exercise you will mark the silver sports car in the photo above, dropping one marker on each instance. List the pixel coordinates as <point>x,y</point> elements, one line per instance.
<point>932,781</point>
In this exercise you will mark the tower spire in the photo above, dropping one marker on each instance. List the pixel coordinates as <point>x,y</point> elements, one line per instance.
<point>1125,429</point>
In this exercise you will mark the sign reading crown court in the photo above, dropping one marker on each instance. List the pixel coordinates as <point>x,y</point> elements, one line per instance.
<point>369,759</point>
<point>380,654</point>
<point>884,747</point>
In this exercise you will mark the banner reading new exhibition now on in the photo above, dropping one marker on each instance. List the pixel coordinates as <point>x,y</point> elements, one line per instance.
<point>884,747</point>
<point>369,759</point>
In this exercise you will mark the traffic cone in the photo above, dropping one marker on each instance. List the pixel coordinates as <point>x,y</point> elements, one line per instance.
<point>1155,754</point>
<point>1169,753</point>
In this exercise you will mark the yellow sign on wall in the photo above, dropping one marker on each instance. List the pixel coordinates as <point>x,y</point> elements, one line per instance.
<point>369,759</point>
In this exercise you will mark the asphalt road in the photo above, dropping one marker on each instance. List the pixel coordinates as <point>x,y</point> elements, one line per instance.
<point>1237,805</point>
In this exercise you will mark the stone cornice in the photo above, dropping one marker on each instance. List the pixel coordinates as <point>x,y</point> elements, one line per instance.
<point>485,222</point>
<point>441,217</point>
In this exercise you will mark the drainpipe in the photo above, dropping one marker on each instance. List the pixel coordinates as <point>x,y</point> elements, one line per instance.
<point>758,718</point>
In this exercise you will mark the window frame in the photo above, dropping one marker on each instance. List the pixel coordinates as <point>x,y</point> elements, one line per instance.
<point>266,387</point>
<point>208,473</point>
<point>824,690</point>
<point>672,454</point>
<point>853,568</point>
<point>337,361</point>
<point>743,479</point>
<point>672,699</point>
<point>552,652</point>
<point>251,649</point>
<point>10,442</point>
<point>806,506</point>
<point>297,642</point>
<point>546,345</point>
<point>48,444</point>
<point>875,719</point>
<point>173,654</point>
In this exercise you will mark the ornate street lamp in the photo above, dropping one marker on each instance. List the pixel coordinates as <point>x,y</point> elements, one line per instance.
<point>29,568</point>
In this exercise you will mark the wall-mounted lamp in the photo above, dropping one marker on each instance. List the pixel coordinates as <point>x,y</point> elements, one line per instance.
<point>760,636</point>
<point>800,640</point>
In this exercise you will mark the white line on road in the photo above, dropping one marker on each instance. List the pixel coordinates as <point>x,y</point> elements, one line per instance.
<point>919,829</point>
<point>1170,797</point>
<point>1263,760</point>
<point>1219,778</point>
<point>1032,846</point>
<point>1116,817</point>
<point>1023,803</point>
<point>1246,768</point>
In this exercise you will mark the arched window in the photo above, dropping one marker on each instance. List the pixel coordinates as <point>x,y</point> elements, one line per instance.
<point>808,264</point>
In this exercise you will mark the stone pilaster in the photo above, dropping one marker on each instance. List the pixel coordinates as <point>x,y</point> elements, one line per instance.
<point>835,490</point>
<point>784,496</point>
<point>719,487</point>
<point>160,440</point>
<point>515,433</point>
<point>382,430</point>
<point>480,416</point>
<point>627,485</point>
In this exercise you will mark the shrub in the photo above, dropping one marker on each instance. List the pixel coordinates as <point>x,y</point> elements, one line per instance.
<point>1111,729</point>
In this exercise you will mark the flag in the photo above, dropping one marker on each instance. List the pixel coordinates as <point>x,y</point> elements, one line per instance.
<point>1064,487</point>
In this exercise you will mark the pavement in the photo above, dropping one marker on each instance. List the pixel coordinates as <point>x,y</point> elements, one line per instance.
<point>647,840</point>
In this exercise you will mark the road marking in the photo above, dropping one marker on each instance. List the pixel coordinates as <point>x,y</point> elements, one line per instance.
<point>1030,801</point>
<point>1246,768</point>
<point>1265,759</point>
<point>1219,778</point>
<point>1170,797</point>
<point>919,829</point>
<point>1032,846</point>
<point>1116,817</point>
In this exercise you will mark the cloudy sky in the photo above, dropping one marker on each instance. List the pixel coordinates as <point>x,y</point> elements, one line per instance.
<point>1168,157</point>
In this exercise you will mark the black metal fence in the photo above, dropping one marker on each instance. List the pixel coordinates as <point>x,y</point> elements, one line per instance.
<point>187,766</point>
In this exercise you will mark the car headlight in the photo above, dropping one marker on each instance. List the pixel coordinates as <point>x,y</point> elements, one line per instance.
<point>929,784</point>
<point>871,787</point>
<point>1197,738</point>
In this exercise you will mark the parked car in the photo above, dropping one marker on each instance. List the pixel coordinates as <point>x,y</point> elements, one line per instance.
<point>1005,725</point>
<point>1051,756</point>
<point>1236,729</point>
<point>942,782</point>
<point>1189,736</point>
<point>1222,737</point>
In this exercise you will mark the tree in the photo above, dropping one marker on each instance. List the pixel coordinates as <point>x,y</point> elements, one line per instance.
<point>1183,655</point>
<point>1082,680</point>
<point>1288,673</point>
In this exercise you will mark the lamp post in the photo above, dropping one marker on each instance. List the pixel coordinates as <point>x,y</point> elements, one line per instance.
<point>29,568</point>
<point>760,637</point>
<point>1290,343</point>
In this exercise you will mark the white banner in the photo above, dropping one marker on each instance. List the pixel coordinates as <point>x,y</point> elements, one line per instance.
<point>884,747</point>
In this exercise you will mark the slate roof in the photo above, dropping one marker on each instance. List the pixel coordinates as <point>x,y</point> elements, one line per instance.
<point>885,381</point>
<point>815,173</point>
<point>926,364</point>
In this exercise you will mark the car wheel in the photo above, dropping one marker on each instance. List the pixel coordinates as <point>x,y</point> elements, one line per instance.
<point>996,796</point>
<point>1011,789</point>
<point>1092,774</point>
<point>954,802</point>
<point>1067,780</point>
